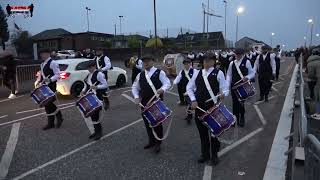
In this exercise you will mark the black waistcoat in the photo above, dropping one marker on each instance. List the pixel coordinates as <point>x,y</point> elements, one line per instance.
<point>243,68</point>
<point>184,80</point>
<point>265,69</point>
<point>146,92</point>
<point>48,73</point>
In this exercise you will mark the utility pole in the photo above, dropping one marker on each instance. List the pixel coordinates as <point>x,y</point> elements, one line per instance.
<point>120,24</point>
<point>225,20</point>
<point>115,29</point>
<point>155,22</point>
<point>88,9</point>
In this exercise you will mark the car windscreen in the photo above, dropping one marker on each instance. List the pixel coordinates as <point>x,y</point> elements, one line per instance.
<point>63,67</point>
<point>64,52</point>
<point>82,66</point>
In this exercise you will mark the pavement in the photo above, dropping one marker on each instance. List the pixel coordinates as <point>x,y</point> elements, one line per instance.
<point>27,152</point>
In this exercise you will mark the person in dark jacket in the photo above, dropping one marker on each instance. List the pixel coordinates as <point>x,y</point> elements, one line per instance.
<point>313,64</point>
<point>9,73</point>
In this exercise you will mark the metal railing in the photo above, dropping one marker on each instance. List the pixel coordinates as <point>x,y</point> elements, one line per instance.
<point>312,160</point>
<point>303,115</point>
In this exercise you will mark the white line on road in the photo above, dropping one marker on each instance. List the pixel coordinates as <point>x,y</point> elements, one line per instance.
<point>276,83</point>
<point>4,100</point>
<point>259,102</point>
<point>28,117</point>
<point>207,173</point>
<point>273,88</point>
<point>8,153</point>
<point>74,151</point>
<point>264,122</point>
<point>172,93</point>
<point>126,91</point>
<point>37,109</point>
<point>3,116</point>
<point>128,97</point>
<point>121,88</point>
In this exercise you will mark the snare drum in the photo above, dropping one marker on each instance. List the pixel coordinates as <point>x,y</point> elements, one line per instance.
<point>89,104</point>
<point>244,90</point>
<point>218,119</point>
<point>43,95</point>
<point>156,113</point>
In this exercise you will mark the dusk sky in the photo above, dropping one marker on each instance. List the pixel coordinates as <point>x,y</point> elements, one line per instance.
<point>286,18</point>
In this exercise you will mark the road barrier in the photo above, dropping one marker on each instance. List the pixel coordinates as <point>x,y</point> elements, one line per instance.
<point>312,161</point>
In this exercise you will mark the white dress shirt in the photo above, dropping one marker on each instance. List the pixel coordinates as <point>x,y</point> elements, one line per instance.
<point>191,87</point>
<point>101,80</point>
<point>106,61</point>
<point>251,72</point>
<point>55,68</point>
<point>273,62</point>
<point>179,77</point>
<point>139,65</point>
<point>166,84</point>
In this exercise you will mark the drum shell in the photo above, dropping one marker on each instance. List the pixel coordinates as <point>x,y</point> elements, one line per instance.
<point>244,90</point>
<point>89,104</point>
<point>156,113</point>
<point>43,95</point>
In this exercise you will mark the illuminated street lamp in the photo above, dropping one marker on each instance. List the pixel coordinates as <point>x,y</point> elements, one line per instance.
<point>311,22</point>
<point>272,34</point>
<point>240,10</point>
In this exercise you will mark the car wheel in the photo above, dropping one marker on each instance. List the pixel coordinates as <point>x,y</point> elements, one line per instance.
<point>121,80</point>
<point>77,88</point>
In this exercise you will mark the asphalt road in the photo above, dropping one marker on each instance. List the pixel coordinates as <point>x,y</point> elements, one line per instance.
<point>67,153</point>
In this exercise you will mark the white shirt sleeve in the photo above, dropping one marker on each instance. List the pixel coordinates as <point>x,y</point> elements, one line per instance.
<point>166,84</point>
<point>229,75</point>
<point>108,64</point>
<point>178,78</point>
<point>251,72</point>
<point>273,63</point>
<point>103,82</point>
<point>55,67</point>
<point>136,87</point>
<point>139,65</point>
<point>191,86</point>
<point>224,88</point>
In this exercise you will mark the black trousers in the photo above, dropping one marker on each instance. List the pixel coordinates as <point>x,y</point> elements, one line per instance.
<point>181,91</point>
<point>95,117</point>
<point>311,85</point>
<point>135,72</point>
<point>237,107</point>
<point>264,85</point>
<point>204,138</point>
<point>10,83</point>
<point>277,68</point>
<point>158,130</point>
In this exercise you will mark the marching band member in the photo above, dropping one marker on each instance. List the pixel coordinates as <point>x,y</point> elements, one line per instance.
<point>200,97</point>
<point>136,69</point>
<point>233,76</point>
<point>278,59</point>
<point>254,54</point>
<point>97,82</point>
<point>142,92</point>
<point>50,73</point>
<point>103,65</point>
<point>265,66</point>
<point>182,80</point>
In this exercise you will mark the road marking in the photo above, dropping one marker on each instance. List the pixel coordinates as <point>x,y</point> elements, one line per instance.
<point>273,88</point>
<point>87,121</point>
<point>3,116</point>
<point>28,117</point>
<point>4,100</point>
<point>260,102</point>
<point>264,122</point>
<point>128,97</point>
<point>240,141</point>
<point>121,88</point>
<point>208,169</point>
<point>276,83</point>
<point>31,110</point>
<point>74,151</point>
<point>172,93</point>
<point>8,153</point>
<point>207,173</point>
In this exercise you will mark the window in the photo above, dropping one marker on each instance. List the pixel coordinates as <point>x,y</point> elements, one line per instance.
<point>63,67</point>
<point>101,39</point>
<point>82,66</point>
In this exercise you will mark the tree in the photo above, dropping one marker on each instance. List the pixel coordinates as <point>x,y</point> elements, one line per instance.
<point>4,32</point>
<point>152,42</point>
<point>23,42</point>
<point>133,42</point>
<point>108,44</point>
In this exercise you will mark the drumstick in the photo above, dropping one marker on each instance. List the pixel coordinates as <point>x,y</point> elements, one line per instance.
<point>91,87</point>
<point>201,109</point>
<point>212,99</point>
<point>151,99</point>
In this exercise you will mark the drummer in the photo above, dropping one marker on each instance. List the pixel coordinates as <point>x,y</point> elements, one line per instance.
<point>97,82</point>
<point>142,92</point>
<point>233,77</point>
<point>199,96</point>
<point>182,80</point>
<point>50,73</point>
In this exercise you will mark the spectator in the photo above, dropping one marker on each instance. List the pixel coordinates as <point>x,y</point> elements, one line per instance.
<point>54,55</point>
<point>9,69</point>
<point>78,54</point>
<point>314,75</point>
<point>88,54</point>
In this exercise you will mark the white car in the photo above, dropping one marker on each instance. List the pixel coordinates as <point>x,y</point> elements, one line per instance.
<point>74,71</point>
<point>66,54</point>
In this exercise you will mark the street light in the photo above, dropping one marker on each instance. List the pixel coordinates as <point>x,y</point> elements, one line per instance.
<point>311,22</point>
<point>272,34</point>
<point>317,35</point>
<point>240,10</point>
<point>305,41</point>
<point>225,20</point>
<point>155,22</point>
<point>88,9</point>
<point>120,18</point>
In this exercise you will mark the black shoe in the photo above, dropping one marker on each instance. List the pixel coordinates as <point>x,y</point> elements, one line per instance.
<point>106,103</point>
<point>59,120</point>
<point>188,117</point>
<point>97,136</point>
<point>266,99</point>
<point>261,99</point>
<point>157,148</point>
<point>48,126</point>
<point>92,135</point>
<point>202,160</point>
<point>215,160</point>
<point>148,146</point>
<point>241,122</point>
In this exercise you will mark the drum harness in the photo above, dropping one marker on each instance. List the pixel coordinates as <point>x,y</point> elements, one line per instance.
<point>156,95</point>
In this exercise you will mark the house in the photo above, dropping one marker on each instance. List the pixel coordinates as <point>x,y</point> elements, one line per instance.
<point>248,43</point>
<point>60,39</point>
<point>211,39</point>
<point>121,41</point>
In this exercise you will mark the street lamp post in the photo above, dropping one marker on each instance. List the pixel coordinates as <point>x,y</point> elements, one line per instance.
<point>225,20</point>
<point>311,31</point>
<point>155,22</point>
<point>88,9</point>
<point>240,10</point>
<point>120,17</point>
<point>305,41</point>
<point>272,34</point>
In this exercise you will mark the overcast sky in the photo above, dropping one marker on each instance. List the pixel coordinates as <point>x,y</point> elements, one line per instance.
<point>286,18</point>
